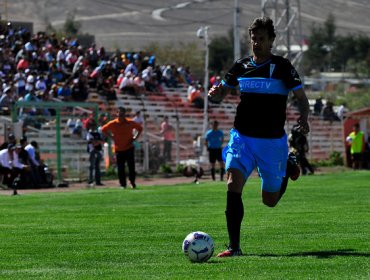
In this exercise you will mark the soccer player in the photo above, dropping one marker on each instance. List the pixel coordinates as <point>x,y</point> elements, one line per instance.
<point>214,140</point>
<point>124,132</point>
<point>258,138</point>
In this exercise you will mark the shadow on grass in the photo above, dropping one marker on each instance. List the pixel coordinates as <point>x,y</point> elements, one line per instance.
<point>320,254</point>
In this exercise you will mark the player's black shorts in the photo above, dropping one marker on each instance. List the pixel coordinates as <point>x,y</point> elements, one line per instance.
<point>215,154</point>
<point>357,156</point>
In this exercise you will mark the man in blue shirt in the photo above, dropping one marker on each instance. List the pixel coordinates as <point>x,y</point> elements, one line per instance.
<point>214,140</point>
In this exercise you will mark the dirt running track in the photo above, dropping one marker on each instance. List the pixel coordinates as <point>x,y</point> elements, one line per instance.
<point>141,182</point>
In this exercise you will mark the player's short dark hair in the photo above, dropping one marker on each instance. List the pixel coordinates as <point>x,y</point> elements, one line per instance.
<point>263,23</point>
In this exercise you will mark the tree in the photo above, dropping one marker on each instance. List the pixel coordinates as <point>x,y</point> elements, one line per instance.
<point>185,54</point>
<point>329,52</point>
<point>71,27</point>
<point>319,56</point>
<point>220,54</point>
<point>221,51</point>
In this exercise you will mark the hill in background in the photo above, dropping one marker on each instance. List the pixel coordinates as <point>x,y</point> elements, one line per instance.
<point>134,24</point>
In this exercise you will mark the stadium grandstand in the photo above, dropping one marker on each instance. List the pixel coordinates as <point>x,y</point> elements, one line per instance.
<point>53,88</point>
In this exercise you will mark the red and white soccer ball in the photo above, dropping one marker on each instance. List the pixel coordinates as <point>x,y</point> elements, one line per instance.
<point>198,246</point>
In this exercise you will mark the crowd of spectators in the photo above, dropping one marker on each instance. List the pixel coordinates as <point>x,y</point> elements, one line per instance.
<point>42,67</point>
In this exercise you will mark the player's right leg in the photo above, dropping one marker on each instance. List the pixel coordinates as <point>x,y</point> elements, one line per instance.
<point>234,212</point>
<point>239,163</point>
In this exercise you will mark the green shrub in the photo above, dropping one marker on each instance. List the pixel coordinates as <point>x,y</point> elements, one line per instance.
<point>335,159</point>
<point>180,168</point>
<point>166,168</point>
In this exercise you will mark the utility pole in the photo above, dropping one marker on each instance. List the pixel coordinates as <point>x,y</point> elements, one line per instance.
<point>286,15</point>
<point>236,30</point>
<point>288,29</point>
<point>202,33</point>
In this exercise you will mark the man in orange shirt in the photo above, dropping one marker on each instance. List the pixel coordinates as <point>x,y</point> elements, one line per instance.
<point>124,132</point>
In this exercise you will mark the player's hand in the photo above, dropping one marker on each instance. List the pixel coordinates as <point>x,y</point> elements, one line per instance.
<point>303,126</point>
<point>216,94</point>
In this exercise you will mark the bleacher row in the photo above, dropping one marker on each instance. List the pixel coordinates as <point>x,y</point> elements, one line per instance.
<point>324,138</point>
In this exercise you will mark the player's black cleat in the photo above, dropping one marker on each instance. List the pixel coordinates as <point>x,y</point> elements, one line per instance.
<point>292,170</point>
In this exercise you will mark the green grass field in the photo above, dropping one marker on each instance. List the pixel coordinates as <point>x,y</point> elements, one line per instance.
<point>320,230</point>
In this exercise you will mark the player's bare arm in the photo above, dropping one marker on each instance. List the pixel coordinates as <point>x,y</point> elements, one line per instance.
<point>218,93</point>
<point>304,108</point>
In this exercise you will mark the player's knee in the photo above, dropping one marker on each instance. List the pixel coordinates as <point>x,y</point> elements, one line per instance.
<point>235,181</point>
<point>270,199</point>
<point>270,202</point>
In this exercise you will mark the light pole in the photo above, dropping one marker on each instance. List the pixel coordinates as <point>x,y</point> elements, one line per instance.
<point>236,31</point>
<point>203,33</point>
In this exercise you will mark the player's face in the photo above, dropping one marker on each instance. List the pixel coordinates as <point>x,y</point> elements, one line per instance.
<point>261,42</point>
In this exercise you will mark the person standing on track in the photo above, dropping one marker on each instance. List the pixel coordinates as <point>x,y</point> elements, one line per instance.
<point>124,132</point>
<point>214,140</point>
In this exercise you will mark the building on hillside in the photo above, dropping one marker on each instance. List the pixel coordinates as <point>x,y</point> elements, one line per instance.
<point>328,81</point>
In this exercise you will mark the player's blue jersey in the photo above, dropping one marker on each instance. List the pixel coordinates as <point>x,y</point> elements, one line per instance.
<point>214,138</point>
<point>264,91</point>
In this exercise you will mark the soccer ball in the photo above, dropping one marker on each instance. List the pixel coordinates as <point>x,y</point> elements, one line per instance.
<point>198,246</point>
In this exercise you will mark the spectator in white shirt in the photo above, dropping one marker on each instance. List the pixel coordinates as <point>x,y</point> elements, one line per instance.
<point>31,150</point>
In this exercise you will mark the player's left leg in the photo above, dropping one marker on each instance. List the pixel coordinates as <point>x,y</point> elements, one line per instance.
<point>292,172</point>
<point>272,156</point>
